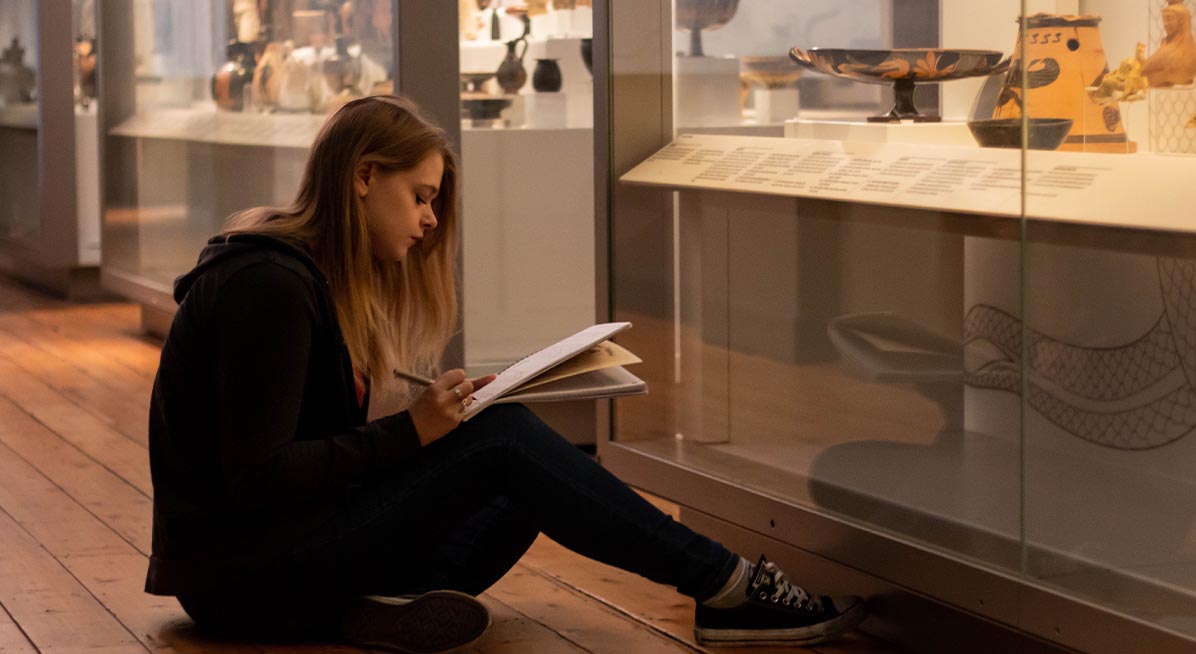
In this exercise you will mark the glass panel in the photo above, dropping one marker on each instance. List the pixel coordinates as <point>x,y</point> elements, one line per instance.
<point>221,101</point>
<point>816,308</point>
<point>20,208</point>
<point>1110,272</point>
<point>85,76</point>
<point>527,146</point>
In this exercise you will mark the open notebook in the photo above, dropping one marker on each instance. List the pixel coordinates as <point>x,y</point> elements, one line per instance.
<point>584,366</point>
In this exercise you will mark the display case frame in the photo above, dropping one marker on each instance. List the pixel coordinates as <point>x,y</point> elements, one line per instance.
<point>924,597</point>
<point>62,255</point>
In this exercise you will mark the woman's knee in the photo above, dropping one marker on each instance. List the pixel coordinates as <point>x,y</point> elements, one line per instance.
<point>506,421</point>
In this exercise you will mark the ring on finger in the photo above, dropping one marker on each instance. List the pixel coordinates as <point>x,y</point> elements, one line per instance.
<point>457,390</point>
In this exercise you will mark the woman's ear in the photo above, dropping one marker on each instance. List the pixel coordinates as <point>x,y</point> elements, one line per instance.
<point>362,175</point>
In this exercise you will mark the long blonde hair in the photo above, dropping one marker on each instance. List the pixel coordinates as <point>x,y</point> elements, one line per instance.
<point>391,314</point>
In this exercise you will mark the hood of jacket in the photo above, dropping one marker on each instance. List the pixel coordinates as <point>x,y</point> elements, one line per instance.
<point>221,249</point>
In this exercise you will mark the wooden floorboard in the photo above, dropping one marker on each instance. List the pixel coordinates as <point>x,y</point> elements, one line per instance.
<point>123,411</point>
<point>75,500</point>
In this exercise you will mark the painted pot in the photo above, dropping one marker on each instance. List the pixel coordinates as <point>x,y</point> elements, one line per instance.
<point>17,81</point>
<point>228,84</point>
<point>547,76</point>
<point>1064,56</point>
<point>511,74</point>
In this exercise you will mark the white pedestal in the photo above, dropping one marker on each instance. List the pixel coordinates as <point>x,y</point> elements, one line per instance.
<point>706,91</point>
<point>483,56</point>
<point>776,105</point>
<point>528,225</point>
<point>87,184</point>
<point>576,82</point>
<point>944,133</point>
<point>564,23</point>
<point>545,110</point>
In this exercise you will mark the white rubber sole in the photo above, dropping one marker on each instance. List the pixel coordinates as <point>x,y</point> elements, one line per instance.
<point>796,636</point>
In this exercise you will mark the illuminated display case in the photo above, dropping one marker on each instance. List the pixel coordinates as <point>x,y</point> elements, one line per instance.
<point>210,107</point>
<point>912,280</point>
<point>199,124</point>
<point>49,174</point>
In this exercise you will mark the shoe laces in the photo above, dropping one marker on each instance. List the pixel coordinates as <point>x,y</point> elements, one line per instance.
<point>784,592</point>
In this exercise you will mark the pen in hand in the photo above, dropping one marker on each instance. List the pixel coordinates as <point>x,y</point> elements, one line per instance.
<point>414,378</point>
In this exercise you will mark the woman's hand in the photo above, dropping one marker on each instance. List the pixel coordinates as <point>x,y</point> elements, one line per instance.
<point>438,410</point>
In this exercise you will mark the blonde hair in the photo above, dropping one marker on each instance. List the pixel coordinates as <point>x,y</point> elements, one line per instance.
<point>391,314</point>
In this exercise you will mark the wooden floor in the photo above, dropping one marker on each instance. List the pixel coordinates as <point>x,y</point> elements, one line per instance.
<point>75,517</point>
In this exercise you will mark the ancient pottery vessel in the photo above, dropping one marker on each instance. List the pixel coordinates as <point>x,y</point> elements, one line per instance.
<point>547,76</point>
<point>769,72</point>
<point>1064,57</point>
<point>587,54</point>
<point>17,81</point>
<point>511,74</point>
<point>228,84</point>
<point>701,15</point>
<point>1041,133</point>
<point>901,67</point>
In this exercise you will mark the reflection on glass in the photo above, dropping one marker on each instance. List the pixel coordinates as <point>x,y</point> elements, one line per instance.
<point>851,318</point>
<point>20,209</point>
<point>1107,397</point>
<point>822,352</point>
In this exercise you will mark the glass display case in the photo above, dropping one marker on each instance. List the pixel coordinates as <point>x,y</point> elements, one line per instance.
<point>210,107</point>
<point>49,203</point>
<point>201,124</point>
<point>910,282</point>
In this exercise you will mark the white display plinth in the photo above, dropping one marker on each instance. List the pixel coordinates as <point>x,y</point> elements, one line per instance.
<point>528,222</point>
<point>576,82</point>
<point>564,23</point>
<point>545,110</point>
<point>483,56</point>
<point>87,184</point>
<point>19,116</point>
<point>707,91</point>
<point>775,106</point>
<point>944,133</point>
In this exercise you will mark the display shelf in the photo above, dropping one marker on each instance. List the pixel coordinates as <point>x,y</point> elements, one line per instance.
<point>1103,190</point>
<point>21,116</point>
<point>226,128</point>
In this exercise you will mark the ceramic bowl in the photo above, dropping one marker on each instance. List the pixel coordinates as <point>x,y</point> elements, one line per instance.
<point>484,107</point>
<point>904,68</point>
<point>473,81</point>
<point>886,66</point>
<point>769,72</point>
<point>1044,133</point>
<point>705,14</point>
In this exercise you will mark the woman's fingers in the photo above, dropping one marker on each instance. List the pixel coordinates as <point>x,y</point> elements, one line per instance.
<point>481,382</point>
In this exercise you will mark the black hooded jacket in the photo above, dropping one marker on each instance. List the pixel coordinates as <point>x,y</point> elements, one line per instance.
<point>254,424</point>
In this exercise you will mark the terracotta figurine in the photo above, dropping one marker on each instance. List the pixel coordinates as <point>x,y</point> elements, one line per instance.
<point>1175,61</point>
<point>1126,84</point>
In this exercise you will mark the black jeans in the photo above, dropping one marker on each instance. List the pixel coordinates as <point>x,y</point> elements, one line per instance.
<point>458,516</point>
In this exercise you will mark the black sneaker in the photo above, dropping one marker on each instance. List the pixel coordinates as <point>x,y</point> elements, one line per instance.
<point>438,621</point>
<point>777,613</point>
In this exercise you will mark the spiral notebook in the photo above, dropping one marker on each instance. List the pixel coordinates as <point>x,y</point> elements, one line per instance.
<point>584,366</point>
